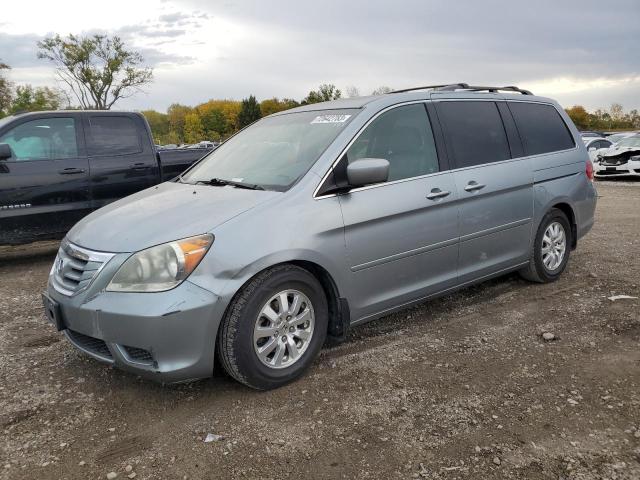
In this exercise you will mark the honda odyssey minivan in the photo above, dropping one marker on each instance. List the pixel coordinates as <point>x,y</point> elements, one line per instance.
<point>320,218</point>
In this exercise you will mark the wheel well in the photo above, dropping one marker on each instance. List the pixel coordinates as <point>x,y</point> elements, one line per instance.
<point>339,316</point>
<point>568,211</point>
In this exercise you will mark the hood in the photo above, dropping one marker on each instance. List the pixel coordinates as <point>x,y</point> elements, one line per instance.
<point>624,152</point>
<point>161,214</point>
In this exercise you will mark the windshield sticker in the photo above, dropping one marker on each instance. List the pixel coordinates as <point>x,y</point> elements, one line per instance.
<point>331,119</point>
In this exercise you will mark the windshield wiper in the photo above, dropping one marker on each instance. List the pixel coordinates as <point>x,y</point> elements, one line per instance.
<point>221,182</point>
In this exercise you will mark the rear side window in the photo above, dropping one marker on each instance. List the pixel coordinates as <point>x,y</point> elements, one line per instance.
<point>474,131</point>
<point>541,128</point>
<point>113,135</point>
<point>402,136</point>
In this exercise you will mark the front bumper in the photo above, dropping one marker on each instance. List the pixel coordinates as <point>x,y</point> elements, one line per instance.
<point>168,336</point>
<point>630,168</point>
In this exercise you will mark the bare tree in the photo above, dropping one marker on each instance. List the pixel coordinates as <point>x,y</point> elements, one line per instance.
<point>352,91</point>
<point>381,90</point>
<point>98,70</point>
<point>616,111</point>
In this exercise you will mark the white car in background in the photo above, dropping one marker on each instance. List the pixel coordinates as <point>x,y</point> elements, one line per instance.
<point>596,146</point>
<point>616,137</point>
<point>621,159</point>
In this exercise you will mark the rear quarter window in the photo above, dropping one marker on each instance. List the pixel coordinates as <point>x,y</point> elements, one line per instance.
<point>113,135</point>
<point>541,128</point>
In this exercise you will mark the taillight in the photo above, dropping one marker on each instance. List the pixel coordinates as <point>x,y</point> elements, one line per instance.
<point>589,170</point>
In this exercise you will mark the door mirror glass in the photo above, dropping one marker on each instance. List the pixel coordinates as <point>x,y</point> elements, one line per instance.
<point>5,151</point>
<point>367,171</point>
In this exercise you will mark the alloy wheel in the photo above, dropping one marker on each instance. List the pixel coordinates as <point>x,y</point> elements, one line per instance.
<point>283,329</point>
<point>554,246</point>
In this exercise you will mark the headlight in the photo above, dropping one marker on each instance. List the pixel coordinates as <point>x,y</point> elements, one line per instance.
<point>162,267</point>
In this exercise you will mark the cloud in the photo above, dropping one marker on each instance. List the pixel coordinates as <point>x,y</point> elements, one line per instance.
<point>150,32</point>
<point>20,50</point>
<point>573,50</point>
<point>174,17</point>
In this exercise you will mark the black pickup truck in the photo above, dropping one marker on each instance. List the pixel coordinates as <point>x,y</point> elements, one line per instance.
<point>56,167</point>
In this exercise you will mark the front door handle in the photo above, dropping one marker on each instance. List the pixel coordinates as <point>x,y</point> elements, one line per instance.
<point>436,193</point>
<point>71,171</point>
<point>472,186</point>
<point>140,166</point>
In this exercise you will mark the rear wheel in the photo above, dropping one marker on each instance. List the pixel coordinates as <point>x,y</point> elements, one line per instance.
<point>551,249</point>
<point>275,327</point>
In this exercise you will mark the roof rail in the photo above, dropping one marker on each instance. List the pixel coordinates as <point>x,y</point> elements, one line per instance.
<point>465,86</point>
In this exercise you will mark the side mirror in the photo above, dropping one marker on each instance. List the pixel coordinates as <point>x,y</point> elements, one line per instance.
<point>5,151</point>
<point>367,171</point>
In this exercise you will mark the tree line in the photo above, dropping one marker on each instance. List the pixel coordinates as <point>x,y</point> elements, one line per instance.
<point>216,120</point>
<point>613,119</point>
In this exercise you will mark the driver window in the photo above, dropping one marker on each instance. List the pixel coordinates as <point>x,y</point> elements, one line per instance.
<point>43,139</point>
<point>402,136</point>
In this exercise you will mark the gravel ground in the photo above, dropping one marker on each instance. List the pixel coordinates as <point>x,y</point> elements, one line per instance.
<point>461,387</point>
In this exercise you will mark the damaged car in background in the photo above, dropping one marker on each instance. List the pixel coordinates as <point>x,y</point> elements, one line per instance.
<point>623,159</point>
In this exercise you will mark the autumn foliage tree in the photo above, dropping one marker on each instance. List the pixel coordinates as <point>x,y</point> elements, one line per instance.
<point>613,119</point>
<point>579,116</point>
<point>274,105</point>
<point>193,130</point>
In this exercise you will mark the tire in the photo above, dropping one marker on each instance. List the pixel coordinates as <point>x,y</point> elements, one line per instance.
<point>237,344</point>
<point>536,270</point>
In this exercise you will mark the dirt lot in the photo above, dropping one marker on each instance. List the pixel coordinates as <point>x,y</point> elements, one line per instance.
<point>461,387</point>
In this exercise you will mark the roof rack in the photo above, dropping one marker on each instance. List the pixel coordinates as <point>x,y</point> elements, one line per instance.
<point>465,86</point>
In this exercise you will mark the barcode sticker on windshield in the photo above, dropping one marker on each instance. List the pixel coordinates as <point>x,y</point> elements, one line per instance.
<point>331,119</point>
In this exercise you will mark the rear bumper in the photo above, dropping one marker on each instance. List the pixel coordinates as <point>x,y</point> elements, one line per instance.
<point>168,337</point>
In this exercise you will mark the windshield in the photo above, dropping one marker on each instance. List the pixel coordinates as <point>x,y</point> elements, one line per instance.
<point>630,142</point>
<point>616,137</point>
<point>274,152</point>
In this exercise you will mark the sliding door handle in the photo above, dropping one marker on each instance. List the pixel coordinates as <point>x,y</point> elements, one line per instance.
<point>140,166</point>
<point>71,171</point>
<point>436,193</point>
<point>472,186</point>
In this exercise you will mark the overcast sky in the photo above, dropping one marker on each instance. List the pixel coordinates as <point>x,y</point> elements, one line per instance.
<point>580,51</point>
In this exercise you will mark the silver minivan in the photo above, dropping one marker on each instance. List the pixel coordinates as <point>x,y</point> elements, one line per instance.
<point>319,218</point>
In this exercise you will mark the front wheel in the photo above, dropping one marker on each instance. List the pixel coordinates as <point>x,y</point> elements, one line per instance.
<point>551,249</point>
<point>274,328</point>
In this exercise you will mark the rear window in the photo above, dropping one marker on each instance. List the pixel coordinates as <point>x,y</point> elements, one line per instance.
<point>474,131</point>
<point>541,128</point>
<point>113,135</point>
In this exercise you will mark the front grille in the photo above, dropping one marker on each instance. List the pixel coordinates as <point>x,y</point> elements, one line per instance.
<point>75,268</point>
<point>90,344</point>
<point>615,161</point>
<point>611,172</point>
<point>139,354</point>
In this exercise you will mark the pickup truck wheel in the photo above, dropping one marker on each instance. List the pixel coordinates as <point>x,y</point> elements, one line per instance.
<point>551,249</point>
<point>274,328</point>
